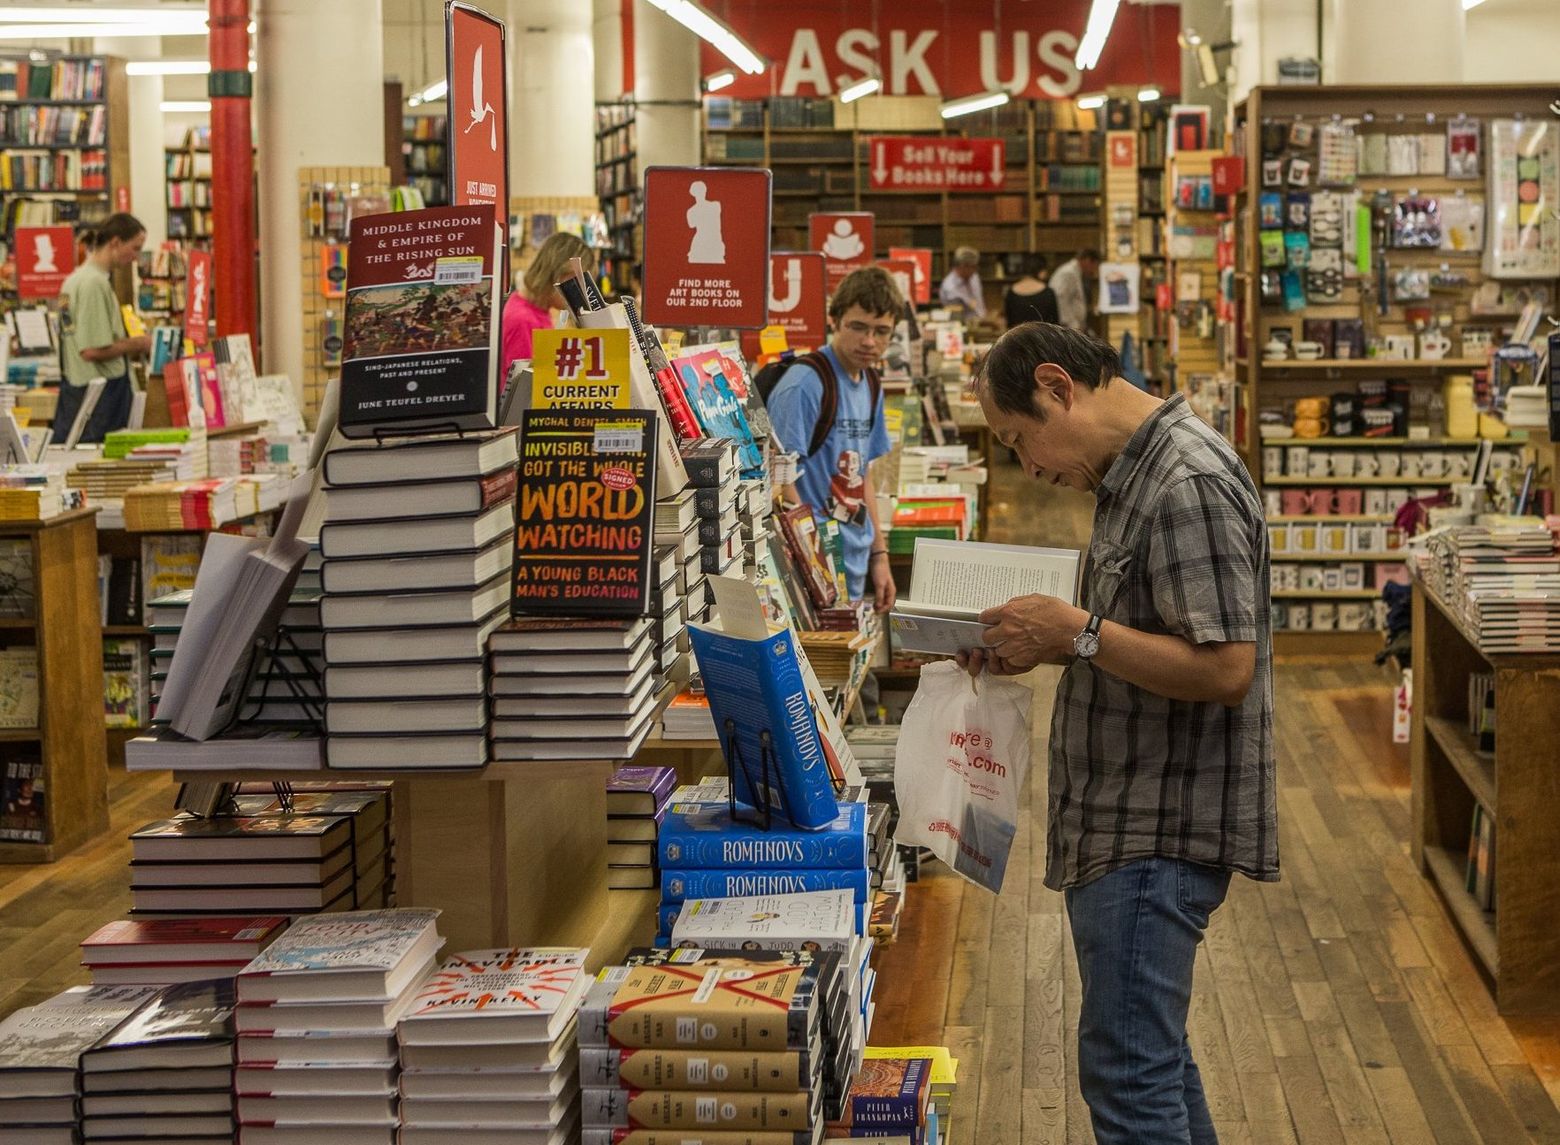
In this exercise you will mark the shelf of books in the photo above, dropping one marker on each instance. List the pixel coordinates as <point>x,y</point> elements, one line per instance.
<point>188,187</point>
<point>424,142</point>
<point>618,188</point>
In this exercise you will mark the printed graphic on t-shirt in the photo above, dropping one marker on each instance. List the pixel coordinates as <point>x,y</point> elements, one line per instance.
<point>848,490</point>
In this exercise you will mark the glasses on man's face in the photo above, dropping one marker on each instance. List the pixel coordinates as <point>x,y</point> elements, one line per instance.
<point>862,330</point>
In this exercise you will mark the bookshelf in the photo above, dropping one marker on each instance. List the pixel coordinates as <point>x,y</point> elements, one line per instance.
<point>617,187</point>
<point>64,629</point>
<point>188,188</point>
<point>423,146</point>
<point>1516,945</point>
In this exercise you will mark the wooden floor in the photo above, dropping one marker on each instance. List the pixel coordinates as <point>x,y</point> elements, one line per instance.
<point>1335,1006</point>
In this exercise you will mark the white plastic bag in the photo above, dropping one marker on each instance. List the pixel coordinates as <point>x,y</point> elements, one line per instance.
<point>962,760</point>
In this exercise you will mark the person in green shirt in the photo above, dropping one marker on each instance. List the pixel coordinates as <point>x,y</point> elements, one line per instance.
<point>93,340</point>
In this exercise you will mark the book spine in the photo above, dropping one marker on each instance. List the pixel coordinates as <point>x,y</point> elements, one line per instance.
<point>711,531</point>
<point>774,1071</point>
<point>681,885</point>
<point>798,748</point>
<point>683,420</point>
<point>612,1136</point>
<point>498,487</point>
<point>715,850</point>
<point>707,504</point>
<point>898,1114</point>
<point>678,1109</point>
<point>703,470</point>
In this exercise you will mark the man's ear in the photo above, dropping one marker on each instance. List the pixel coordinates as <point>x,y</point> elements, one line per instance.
<point>1052,383</point>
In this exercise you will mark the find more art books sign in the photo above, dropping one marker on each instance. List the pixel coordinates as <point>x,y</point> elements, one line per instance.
<point>707,247</point>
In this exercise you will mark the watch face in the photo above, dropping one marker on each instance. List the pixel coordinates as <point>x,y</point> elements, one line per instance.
<point>1086,644</point>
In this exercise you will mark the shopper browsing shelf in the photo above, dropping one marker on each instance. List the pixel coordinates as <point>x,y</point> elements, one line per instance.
<point>1071,283</point>
<point>962,287</point>
<point>1030,299</point>
<point>1161,776</point>
<point>531,307</point>
<point>836,477</point>
<point>93,340</point>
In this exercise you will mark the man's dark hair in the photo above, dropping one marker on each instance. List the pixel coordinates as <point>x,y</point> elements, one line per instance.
<point>872,289</point>
<point>1090,253</point>
<point>1007,373</point>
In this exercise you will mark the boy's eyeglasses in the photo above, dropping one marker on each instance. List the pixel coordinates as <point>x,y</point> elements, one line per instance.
<point>861,330</point>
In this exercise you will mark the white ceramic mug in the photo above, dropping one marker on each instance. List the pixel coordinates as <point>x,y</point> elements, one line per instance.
<point>1391,462</point>
<point>1299,617</point>
<point>1324,616</point>
<point>1367,464</point>
<point>1318,464</point>
<point>1343,463</point>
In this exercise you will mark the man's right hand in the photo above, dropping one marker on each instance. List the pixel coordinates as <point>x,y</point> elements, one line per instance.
<point>139,345</point>
<point>975,659</point>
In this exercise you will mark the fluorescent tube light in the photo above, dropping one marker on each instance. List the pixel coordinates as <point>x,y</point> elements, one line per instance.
<point>167,67</point>
<point>1091,102</point>
<point>972,103</point>
<point>1467,4</point>
<point>714,31</point>
<point>163,26</point>
<point>95,14</point>
<point>721,79</point>
<point>864,86</point>
<point>1102,14</point>
<point>189,105</point>
<point>434,92</point>
<point>1148,94</point>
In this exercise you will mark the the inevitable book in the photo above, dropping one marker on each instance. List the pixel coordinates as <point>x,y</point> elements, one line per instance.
<point>505,995</point>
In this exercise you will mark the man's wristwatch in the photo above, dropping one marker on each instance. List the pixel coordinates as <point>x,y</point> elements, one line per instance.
<point>1087,642</point>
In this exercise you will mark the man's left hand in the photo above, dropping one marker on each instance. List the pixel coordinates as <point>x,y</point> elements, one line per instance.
<point>884,591</point>
<point>1031,630</point>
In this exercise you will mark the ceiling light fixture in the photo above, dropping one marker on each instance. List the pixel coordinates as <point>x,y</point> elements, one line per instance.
<point>862,87</point>
<point>162,26</point>
<point>1091,102</point>
<point>721,79</point>
<point>167,67</point>
<point>1467,4</point>
<point>972,103</point>
<point>186,105</point>
<point>96,14</point>
<point>1149,94</point>
<point>1102,14</point>
<point>715,32</point>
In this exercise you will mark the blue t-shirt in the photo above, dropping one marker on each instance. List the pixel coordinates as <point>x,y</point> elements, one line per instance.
<point>834,480</point>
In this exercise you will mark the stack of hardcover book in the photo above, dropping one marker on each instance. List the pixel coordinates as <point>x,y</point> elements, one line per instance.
<point>890,1098</point>
<point>317,1015</point>
<point>327,851</point>
<point>40,1058</point>
<point>712,474</point>
<point>668,613</point>
<point>685,1049</point>
<point>161,951</point>
<point>942,1085</point>
<point>677,529</point>
<point>636,802</point>
<point>167,1071</point>
<point>755,511</point>
<point>572,688</point>
<point>417,546</point>
<point>687,715</point>
<point>489,1048</point>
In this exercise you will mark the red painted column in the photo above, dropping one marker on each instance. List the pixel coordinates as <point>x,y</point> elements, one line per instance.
<point>232,169</point>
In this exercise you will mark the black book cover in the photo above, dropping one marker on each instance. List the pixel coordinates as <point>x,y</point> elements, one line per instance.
<point>188,1013</point>
<point>709,504</point>
<point>124,591</point>
<point>707,462</point>
<point>710,531</point>
<point>585,520</point>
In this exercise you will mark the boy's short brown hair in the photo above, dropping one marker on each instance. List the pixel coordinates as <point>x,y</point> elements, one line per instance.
<point>871,288</point>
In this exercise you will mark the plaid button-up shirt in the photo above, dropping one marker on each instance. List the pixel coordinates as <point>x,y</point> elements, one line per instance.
<point>1180,547</point>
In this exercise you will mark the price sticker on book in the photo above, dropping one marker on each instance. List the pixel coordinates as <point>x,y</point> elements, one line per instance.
<point>457,270</point>
<point>580,369</point>
<point>619,437</point>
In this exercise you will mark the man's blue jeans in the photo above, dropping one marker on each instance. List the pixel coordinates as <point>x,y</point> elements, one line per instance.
<point>1136,932</point>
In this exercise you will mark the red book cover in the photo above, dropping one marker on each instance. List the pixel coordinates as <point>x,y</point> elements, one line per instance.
<point>251,932</point>
<point>497,487</point>
<point>178,400</point>
<point>684,421</point>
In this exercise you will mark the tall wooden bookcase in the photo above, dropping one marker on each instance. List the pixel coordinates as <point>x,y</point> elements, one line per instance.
<point>70,734</point>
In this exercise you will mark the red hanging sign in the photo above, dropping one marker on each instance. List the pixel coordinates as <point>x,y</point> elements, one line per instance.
<point>935,163</point>
<point>1229,174</point>
<point>922,258</point>
<point>197,295</point>
<point>477,122</point>
<point>707,246</point>
<point>845,240</point>
<point>798,298</point>
<point>45,256</point>
<point>902,271</point>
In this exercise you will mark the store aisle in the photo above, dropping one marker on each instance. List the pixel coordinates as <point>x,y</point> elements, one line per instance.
<point>1336,1006</point>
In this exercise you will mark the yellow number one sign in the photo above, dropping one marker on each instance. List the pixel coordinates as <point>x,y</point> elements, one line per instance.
<point>579,368</point>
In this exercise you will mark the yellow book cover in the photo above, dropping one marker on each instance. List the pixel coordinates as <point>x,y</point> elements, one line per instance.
<point>735,1070</point>
<point>672,1109</point>
<point>134,327</point>
<point>755,1006</point>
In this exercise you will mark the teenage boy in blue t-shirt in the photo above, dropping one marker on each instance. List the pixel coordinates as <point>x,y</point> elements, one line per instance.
<point>837,480</point>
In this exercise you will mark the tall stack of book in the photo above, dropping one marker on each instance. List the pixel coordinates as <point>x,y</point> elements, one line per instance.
<point>704,1037</point>
<point>167,1072</point>
<point>489,1048</point>
<point>713,476</point>
<point>636,802</point>
<point>677,528</point>
<point>890,1098</point>
<point>162,951</point>
<point>33,493</point>
<point>577,688</point>
<point>687,715</point>
<point>330,852</point>
<point>417,547</point>
<point>942,1083</point>
<point>668,612</point>
<point>755,511</point>
<point>40,1052</point>
<point>317,1018</point>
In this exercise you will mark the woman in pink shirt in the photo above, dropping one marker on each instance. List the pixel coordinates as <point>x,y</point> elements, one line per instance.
<point>530,308</point>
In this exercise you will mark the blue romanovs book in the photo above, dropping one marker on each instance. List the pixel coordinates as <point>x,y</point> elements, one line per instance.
<point>755,686</point>
<point>703,835</point>
<point>677,886</point>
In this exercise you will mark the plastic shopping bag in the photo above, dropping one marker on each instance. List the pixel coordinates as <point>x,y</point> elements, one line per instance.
<point>962,759</point>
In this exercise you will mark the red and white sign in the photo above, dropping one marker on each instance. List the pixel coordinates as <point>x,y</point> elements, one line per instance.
<point>902,271</point>
<point>1122,148</point>
<point>707,246</point>
<point>946,48</point>
<point>799,298</point>
<point>197,295</point>
<point>1229,173</point>
<point>478,120</point>
<point>45,256</point>
<point>935,163</point>
<point>845,240</point>
<point>922,258</point>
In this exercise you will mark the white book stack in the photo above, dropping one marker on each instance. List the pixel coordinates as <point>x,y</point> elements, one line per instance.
<point>487,1051</point>
<point>316,1018</point>
<point>417,548</point>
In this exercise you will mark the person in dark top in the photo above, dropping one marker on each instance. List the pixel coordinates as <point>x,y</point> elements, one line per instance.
<point>1030,299</point>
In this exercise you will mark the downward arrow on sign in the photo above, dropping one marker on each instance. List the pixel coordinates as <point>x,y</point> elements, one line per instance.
<point>879,170</point>
<point>997,173</point>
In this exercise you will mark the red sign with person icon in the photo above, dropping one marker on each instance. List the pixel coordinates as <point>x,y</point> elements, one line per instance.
<point>45,256</point>
<point>707,246</point>
<point>922,257</point>
<point>844,238</point>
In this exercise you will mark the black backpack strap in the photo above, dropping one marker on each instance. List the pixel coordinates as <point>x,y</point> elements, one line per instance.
<point>828,399</point>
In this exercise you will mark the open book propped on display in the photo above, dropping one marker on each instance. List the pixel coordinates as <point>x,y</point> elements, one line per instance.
<point>953,582</point>
<point>240,593</point>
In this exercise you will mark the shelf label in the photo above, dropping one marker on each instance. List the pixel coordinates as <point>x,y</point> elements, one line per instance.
<point>936,163</point>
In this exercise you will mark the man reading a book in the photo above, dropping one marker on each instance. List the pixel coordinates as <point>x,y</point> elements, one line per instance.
<point>836,478</point>
<point>1161,747</point>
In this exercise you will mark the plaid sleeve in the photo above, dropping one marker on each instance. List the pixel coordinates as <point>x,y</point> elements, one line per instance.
<point>1205,562</point>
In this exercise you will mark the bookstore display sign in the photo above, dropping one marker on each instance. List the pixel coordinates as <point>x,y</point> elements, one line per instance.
<point>575,368</point>
<point>707,246</point>
<point>935,163</point>
<point>45,256</point>
<point>197,295</point>
<point>844,238</point>
<point>478,117</point>
<point>798,298</point>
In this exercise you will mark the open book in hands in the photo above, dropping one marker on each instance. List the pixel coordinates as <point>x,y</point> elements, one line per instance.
<point>953,582</point>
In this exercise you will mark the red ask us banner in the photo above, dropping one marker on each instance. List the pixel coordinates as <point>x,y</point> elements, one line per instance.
<point>45,256</point>
<point>844,239</point>
<point>922,258</point>
<point>935,163</point>
<point>197,295</point>
<point>707,246</point>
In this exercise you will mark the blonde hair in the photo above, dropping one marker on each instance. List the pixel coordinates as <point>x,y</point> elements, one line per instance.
<point>552,263</point>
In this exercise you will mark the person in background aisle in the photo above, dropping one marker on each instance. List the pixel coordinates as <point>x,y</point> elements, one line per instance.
<point>530,308</point>
<point>962,287</point>
<point>93,340</point>
<point>1030,299</point>
<point>1161,745</point>
<point>1071,282</point>
<point>836,479</point>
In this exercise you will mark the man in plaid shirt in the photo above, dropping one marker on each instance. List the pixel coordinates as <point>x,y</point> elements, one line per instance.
<point>1161,753</point>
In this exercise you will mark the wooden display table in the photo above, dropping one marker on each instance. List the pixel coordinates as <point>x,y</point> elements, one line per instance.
<point>1518,943</point>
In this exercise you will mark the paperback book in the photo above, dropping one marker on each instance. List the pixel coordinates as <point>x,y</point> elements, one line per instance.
<point>823,920</point>
<point>492,996</point>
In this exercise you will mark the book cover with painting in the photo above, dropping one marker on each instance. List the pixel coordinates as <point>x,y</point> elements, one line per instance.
<point>422,332</point>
